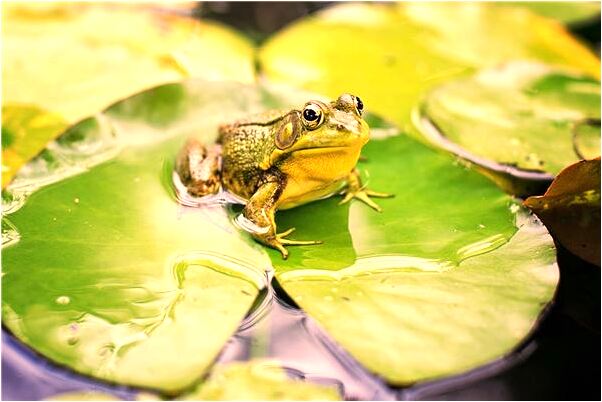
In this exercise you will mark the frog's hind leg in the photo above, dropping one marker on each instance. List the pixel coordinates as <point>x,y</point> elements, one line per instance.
<point>199,168</point>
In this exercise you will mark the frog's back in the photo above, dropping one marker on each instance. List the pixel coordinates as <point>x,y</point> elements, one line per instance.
<point>245,146</point>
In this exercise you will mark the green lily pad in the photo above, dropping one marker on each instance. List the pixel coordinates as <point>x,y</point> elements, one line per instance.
<point>391,53</point>
<point>409,320</point>
<point>258,380</point>
<point>531,119</point>
<point>450,276</point>
<point>107,273</point>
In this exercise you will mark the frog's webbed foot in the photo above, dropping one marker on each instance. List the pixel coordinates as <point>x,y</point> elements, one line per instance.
<point>364,196</point>
<point>279,241</point>
<point>260,212</point>
<point>355,190</point>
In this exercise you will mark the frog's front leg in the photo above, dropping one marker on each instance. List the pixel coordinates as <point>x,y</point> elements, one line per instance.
<point>355,189</point>
<point>258,216</point>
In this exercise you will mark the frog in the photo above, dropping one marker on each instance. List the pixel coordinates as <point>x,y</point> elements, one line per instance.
<point>281,159</point>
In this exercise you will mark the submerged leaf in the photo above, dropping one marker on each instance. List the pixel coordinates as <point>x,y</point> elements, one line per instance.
<point>259,381</point>
<point>571,209</point>
<point>389,54</point>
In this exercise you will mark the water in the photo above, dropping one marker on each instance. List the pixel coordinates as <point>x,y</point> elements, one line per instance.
<point>288,335</point>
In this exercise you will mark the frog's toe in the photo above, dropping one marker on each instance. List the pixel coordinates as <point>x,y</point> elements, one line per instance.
<point>364,196</point>
<point>376,194</point>
<point>346,198</point>
<point>280,237</point>
<point>285,233</point>
<point>289,242</point>
<point>282,250</point>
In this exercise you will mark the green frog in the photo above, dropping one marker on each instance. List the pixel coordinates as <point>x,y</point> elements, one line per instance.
<point>282,159</point>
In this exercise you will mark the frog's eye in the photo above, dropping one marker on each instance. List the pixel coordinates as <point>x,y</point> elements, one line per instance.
<point>359,105</point>
<point>312,116</point>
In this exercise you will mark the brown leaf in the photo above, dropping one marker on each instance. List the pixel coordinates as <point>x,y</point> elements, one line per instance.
<point>571,209</point>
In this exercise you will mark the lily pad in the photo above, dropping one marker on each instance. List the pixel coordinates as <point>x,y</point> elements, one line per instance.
<point>108,274</point>
<point>450,276</point>
<point>526,120</point>
<point>259,380</point>
<point>74,59</point>
<point>391,53</point>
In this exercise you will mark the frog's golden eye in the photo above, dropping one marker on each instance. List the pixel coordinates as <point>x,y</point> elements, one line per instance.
<point>359,105</point>
<point>312,116</point>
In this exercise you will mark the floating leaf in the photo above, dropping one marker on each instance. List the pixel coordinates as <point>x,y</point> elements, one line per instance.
<point>259,381</point>
<point>25,132</point>
<point>571,209</point>
<point>111,276</point>
<point>437,284</point>
<point>391,53</point>
<point>74,59</point>
<point>524,120</point>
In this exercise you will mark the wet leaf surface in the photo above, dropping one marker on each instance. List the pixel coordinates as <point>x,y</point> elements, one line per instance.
<point>523,115</point>
<point>439,283</point>
<point>113,277</point>
<point>259,381</point>
<point>571,209</point>
<point>391,53</point>
<point>142,283</point>
<point>76,59</point>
